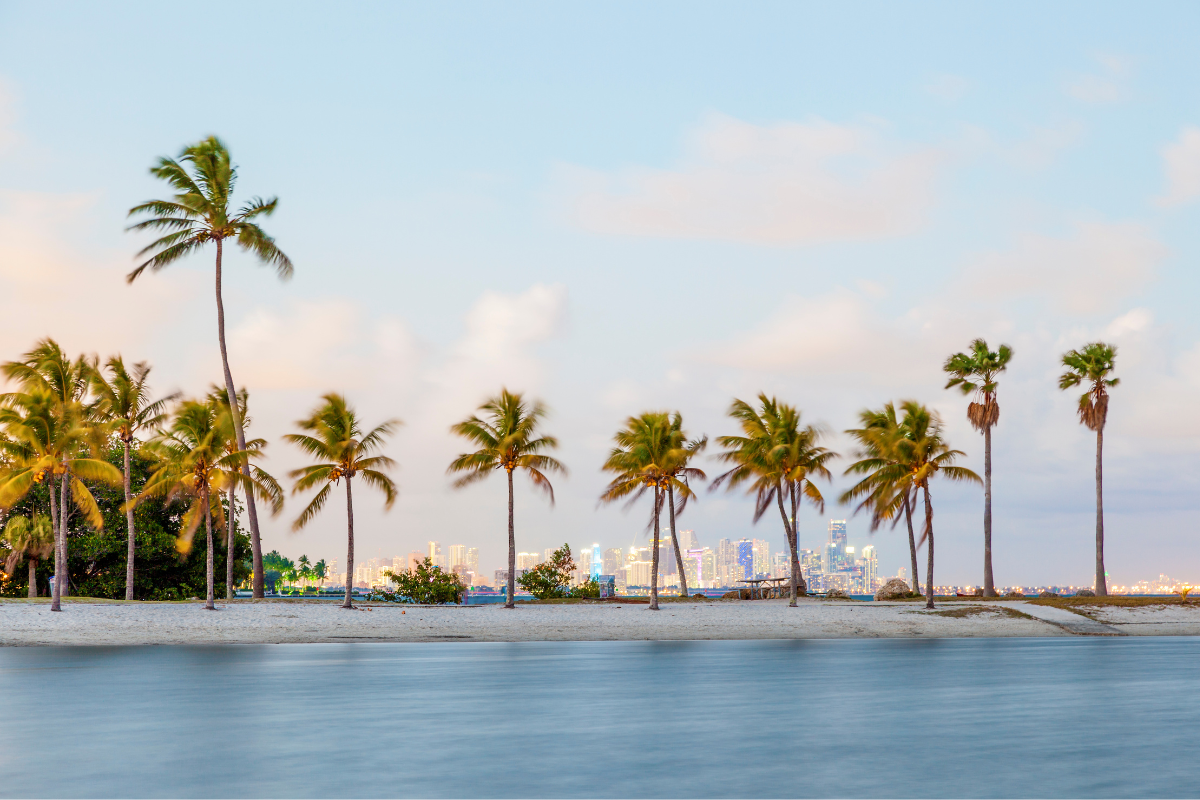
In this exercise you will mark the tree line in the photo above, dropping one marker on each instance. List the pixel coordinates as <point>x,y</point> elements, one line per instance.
<point>67,413</point>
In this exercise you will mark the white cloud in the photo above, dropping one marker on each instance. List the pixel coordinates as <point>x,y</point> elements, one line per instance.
<point>1088,271</point>
<point>789,183</point>
<point>1110,85</point>
<point>1181,163</point>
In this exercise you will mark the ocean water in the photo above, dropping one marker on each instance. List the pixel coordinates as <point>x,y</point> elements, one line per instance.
<point>1069,717</point>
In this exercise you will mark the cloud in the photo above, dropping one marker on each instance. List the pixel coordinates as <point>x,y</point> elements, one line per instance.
<point>1088,271</point>
<point>1181,163</point>
<point>790,183</point>
<point>1110,85</point>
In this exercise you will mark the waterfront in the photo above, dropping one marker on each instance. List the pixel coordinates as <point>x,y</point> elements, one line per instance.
<point>982,717</point>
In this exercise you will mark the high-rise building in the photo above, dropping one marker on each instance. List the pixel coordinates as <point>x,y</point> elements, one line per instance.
<point>693,567</point>
<point>527,561</point>
<point>726,553</point>
<point>612,561</point>
<point>688,540</point>
<point>458,556</point>
<point>835,549</point>
<point>414,558</point>
<point>708,567</point>
<point>548,554</point>
<point>435,555</point>
<point>780,565</point>
<point>637,573</point>
<point>762,557</point>
<point>473,559</point>
<point>870,562</point>
<point>583,561</point>
<point>597,562</point>
<point>745,558</point>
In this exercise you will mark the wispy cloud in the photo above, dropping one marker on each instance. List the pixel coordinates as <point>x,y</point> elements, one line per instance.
<point>1108,85</point>
<point>1181,165</point>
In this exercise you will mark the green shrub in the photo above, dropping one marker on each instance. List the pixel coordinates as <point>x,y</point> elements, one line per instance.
<point>550,579</point>
<point>426,585</point>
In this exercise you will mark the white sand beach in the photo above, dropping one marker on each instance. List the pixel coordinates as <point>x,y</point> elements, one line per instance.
<point>266,622</point>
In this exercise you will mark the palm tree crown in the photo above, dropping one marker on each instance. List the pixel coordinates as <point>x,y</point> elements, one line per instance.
<point>1092,365</point>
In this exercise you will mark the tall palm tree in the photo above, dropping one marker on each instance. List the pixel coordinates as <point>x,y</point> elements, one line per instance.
<point>334,437</point>
<point>201,211</point>
<point>640,462</point>
<point>887,489</point>
<point>1092,365</point>
<point>31,539</point>
<point>507,438</point>
<point>975,372</point>
<point>678,474</point>
<point>925,454</point>
<point>778,459</point>
<point>124,403</point>
<point>268,488</point>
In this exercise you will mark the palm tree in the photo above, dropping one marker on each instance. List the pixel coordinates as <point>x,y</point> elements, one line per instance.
<point>1093,364</point>
<point>335,439</point>
<point>507,439</point>
<point>678,476</point>
<point>924,454</point>
<point>124,403</point>
<point>31,540</point>
<point>976,372</point>
<point>887,488</point>
<point>200,212</point>
<point>647,451</point>
<point>778,459</point>
<point>271,491</point>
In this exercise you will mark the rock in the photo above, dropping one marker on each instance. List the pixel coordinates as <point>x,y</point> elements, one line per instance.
<point>1014,595</point>
<point>1047,594</point>
<point>1085,593</point>
<point>895,589</point>
<point>836,594</point>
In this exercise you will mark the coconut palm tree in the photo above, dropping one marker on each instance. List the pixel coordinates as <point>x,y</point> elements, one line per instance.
<point>975,372</point>
<point>124,403</point>
<point>925,454</point>
<point>334,437</point>
<point>49,440</point>
<point>886,490</point>
<point>778,459</point>
<point>1092,366</point>
<point>31,539</point>
<point>678,474</point>
<point>641,461</point>
<point>507,438</point>
<point>201,211</point>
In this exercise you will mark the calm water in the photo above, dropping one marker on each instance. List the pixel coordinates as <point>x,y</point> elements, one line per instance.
<point>1038,717</point>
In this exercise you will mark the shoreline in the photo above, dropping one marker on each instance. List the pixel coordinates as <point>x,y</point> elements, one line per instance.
<point>117,622</point>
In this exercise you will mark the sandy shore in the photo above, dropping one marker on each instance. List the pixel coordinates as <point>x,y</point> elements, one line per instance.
<point>267,622</point>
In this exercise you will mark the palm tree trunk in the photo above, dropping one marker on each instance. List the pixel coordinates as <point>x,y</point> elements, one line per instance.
<point>229,549</point>
<point>929,533</point>
<point>791,538</point>
<point>511,600</point>
<point>55,600</point>
<point>129,522</point>
<point>64,585</point>
<point>1101,577</point>
<point>912,546</point>
<point>251,510</point>
<point>654,555</point>
<point>798,587</point>
<point>349,545</point>
<point>989,586</point>
<point>675,544</point>
<point>209,577</point>
<point>33,562</point>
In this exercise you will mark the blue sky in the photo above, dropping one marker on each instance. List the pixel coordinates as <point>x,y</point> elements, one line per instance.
<point>618,207</point>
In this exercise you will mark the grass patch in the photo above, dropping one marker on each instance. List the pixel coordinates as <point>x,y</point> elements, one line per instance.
<point>1073,603</point>
<point>966,612</point>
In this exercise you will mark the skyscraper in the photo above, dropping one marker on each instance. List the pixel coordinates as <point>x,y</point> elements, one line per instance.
<point>435,555</point>
<point>688,540</point>
<point>745,557</point>
<point>835,548</point>
<point>762,557</point>
<point>458,556</point>
<point>870,561</point>
<point>527,561</point>
<point>612,561</point>
<point>596,560</point>
<point>473,559</point>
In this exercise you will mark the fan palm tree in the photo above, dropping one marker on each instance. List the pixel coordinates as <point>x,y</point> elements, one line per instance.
<point>778,459</point>
<point>886,490</point>
<point>975,372</point>
<point>31,539</point>
<point>678,474</point>
<point>925,454</point>
<point>1092,366</point>
<point>269,489</point>
<point>334,437</point>
<point>201,211</point>
<point>507,438</point>
<point>124,403</point>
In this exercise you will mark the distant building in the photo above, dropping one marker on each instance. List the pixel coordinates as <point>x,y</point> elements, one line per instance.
<point>527,561</point>
<point>612,561</point>
<point>745,558</point>
<point>414,558</point>
<point>458,556</point>
<point>688,540</point>
<point>762,557</point>
<point>473,559</point>
<point>870,571</point>
<point>596,560</point>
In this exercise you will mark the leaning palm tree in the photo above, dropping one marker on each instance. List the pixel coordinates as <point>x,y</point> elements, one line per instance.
<point>1092,365</point>
<point>201,211</point>
<point>507,438</point>
<point>333,437</point>
<point>124,403</point>
<point>31,539</point>
<point>195,465</point>
<point>975,372</point>
<point>678,475</point>
<point>778,459</point>
<point>49,440</point>
<point>924,454</point>
<point>886,489</point>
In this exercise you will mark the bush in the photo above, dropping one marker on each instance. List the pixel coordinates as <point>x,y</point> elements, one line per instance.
<point>589,588</point>
<point>426,585</point>
<point>551,579</point>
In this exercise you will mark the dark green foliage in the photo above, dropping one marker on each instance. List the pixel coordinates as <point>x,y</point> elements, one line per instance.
<point>552,578</point>
<point>96,564</point>
<point>426,585</point>
<point>589,588</point>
